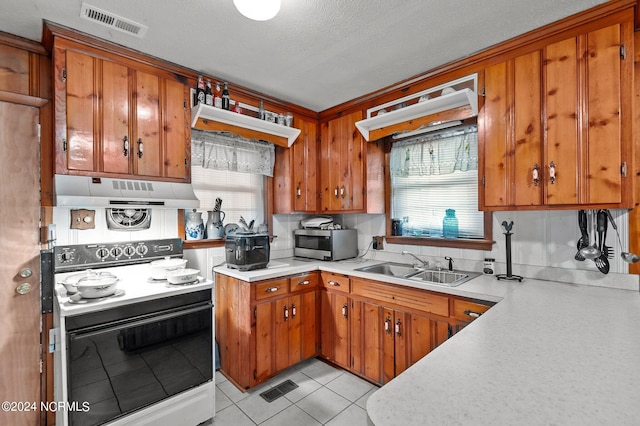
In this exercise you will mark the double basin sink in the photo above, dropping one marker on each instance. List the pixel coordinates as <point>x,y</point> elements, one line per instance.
<point>403,270</point>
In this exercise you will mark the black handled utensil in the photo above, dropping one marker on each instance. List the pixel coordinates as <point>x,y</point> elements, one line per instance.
<point>602,261</point>
<point>583,241</point>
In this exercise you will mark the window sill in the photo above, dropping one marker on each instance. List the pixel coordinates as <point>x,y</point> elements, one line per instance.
<point>479,244</point>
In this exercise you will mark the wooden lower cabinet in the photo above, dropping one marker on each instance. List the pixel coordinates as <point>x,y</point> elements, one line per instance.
<point>264,327</point>
<point>334,331</point>
<point>370,328</point>
<point>386,341</point>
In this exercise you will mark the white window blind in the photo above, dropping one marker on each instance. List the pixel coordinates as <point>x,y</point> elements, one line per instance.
<point>431,174</point>
<point>242,194</point>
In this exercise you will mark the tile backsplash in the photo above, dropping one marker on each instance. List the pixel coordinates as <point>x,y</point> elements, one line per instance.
<point>543,243</point>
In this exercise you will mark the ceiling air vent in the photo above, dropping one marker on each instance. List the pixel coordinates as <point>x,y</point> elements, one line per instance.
<point>112,20</point>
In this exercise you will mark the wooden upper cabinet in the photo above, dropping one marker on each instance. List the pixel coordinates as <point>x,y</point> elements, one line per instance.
<point>342,165</point>
<point>295,174</point>
<point>556,125</point>
<point>112,119</point>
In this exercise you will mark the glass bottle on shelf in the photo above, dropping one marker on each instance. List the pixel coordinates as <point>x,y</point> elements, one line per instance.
<point>225,96</point>
<point>450,224</point>
<point>200,91</point>
<point>208,94</point>
<point>217,96</point>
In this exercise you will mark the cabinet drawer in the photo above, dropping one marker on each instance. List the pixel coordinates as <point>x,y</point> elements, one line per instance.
<point>335,282</point>
<point>268,289</point>
<point>402,296</point>
<point>303,282</point>
<point>466,310</point>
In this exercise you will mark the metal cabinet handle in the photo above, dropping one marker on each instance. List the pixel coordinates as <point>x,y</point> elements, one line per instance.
<point>140,148</point>
<point>342,191</point>
<point>344,310</point>
<point>293,311</point>
<point>24,288</point>
<point>552,173</point>
<point>399,327</point>
<point>305,282</point>
<point>271,289</point>
<point>286,312</point>
<point>335,192</point>
<point>298,192</point>
<point>334,283</point>
<point>536,174</point>
<point>125,146</point>
<point>472,314</point>
<point>387,325</point>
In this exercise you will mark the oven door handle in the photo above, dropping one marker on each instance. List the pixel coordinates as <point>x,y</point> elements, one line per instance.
<point>133,322</point>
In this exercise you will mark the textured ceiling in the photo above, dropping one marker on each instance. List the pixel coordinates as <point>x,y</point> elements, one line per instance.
<point>315,53</point>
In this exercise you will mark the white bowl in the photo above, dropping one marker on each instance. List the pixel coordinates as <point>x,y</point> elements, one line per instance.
<point>183,276</point>
<point>160,268</point>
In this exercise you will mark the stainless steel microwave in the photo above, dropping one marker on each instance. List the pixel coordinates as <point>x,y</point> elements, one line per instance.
<point>326,244</point>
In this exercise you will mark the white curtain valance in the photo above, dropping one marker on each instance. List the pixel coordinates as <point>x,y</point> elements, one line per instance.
<point>436,154</point>
<point>225,151</point>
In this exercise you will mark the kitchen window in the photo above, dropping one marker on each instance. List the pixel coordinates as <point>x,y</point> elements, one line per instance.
<point>436,176</point>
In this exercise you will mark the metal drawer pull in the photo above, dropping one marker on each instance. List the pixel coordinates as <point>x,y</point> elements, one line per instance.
<point>286,312</point>
<point>293,310</point>
<point>335,192</point>
<point>552,173</point>
<point>271,289</point>
<point>536,175</point>
<point>387,325</point>
<point>344,310</point>
<point>305,282</point>
<point>342,191</point>
<point>398,327</point>
<point>334,283</point>
<point>472,314</point>
<point>298,192</point>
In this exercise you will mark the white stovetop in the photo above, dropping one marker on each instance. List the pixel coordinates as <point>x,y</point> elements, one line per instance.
<point>133,279</point>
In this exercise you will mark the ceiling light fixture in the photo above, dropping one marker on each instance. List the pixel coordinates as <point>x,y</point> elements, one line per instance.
<point>258,10</point>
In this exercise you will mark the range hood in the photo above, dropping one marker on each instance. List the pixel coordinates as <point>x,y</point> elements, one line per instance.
<point>86,191</point>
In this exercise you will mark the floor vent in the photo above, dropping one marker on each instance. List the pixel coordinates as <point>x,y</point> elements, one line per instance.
<point>112,20</point>
<point>278,391</point>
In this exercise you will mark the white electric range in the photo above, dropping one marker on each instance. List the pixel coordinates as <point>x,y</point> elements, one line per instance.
<point>143,356</point>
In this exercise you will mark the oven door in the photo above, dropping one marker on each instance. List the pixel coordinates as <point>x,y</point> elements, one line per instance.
<point>125,365</point>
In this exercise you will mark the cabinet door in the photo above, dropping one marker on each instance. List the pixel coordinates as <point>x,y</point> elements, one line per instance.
<point>304,169</point>
<point>265,349</point>
<point>309,326</point>
<point>512,133</point>
<point>147,133</point>
<point>335,328</point>
<point>116,144</point>
<point>80,94</point>
<point>177,131</point>
<point>562,115</point>
<point>342,164</point>
<point>367,328</point>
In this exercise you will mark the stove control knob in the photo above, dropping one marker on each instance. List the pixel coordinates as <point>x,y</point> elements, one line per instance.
<point>66,256</point>
<point>129,251</point>
<point>116,252</point>
<point>142,250</point>
<point>102,253</point>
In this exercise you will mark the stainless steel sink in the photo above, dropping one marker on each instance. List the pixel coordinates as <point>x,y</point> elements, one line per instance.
<point>403,270</point>
<point>448,278</point>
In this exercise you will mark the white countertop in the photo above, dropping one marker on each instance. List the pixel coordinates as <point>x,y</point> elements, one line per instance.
<point>547,353</point>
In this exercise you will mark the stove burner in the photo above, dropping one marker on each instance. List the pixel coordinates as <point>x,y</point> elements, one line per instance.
<point>76,299</point>
<point>170,285</point>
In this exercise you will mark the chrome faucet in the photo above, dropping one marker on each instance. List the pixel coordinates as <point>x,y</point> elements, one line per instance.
<point>425,263</point>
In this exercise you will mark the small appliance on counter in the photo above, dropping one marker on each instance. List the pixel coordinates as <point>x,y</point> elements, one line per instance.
<point>246,251</point>
<point>326,244</point>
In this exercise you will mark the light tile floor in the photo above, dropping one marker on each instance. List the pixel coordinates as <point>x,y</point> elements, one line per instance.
<point>324,396</point>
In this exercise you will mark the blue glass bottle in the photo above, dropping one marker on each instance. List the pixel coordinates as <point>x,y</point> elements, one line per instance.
<point>450,224</point>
